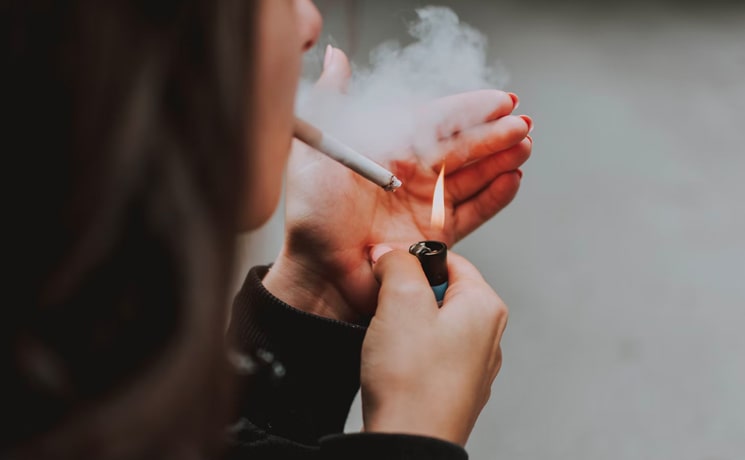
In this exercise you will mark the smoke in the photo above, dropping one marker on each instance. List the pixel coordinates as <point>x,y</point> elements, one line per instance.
<point>382,109</point>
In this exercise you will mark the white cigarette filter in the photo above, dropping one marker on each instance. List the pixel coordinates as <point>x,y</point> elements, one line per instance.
<point>337,150</point>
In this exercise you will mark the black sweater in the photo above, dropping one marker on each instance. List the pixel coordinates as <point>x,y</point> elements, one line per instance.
<point>295,408</point>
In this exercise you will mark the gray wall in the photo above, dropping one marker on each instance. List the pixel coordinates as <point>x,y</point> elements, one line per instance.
<point>623,257</point>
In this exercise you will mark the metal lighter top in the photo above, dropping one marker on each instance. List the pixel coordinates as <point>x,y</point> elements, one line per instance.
<point>433,257</point>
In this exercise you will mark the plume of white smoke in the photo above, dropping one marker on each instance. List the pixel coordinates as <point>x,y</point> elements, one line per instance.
<point>382,108</point>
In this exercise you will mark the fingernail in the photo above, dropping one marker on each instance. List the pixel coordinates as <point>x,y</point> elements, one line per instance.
<point>515,101</point>
<point>529,121</point>
<point>519,173</point>
<point>328,57</point>
<point>528,137</point>
<point>377,251</point>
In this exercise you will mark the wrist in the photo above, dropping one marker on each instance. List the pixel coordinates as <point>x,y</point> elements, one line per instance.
<point>307,289</point>
<point>408,420</point>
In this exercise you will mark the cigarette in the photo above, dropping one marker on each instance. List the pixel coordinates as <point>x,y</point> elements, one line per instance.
<point>337,150</point>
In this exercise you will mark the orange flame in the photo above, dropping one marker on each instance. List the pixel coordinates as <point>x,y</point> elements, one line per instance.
<point>437,222</point>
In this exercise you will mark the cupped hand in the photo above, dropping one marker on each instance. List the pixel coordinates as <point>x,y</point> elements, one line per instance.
<point>428,371</point>
<point>334,215</point>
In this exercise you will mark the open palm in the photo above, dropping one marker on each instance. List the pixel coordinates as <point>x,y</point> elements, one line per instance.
<point>333,215</point>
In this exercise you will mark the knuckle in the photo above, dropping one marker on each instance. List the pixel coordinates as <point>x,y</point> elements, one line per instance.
<point>496,141</point>
<point>503,309</point>
<point>498,362</point>
<point>487,208</point>
<point>502,313</point>
<point>496,310</point>
<point>486,397</point>
<point>410,289</point>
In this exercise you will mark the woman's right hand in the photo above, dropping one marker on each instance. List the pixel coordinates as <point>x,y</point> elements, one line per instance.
<point>428,370</point>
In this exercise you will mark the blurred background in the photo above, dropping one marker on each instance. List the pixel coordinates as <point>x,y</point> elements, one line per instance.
<point>623,257</point>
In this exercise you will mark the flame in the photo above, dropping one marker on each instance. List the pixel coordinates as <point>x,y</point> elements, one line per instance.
<point>437,222</point>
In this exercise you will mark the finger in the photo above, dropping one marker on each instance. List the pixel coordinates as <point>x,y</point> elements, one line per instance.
<point>470,214</point>
<point>452,114</point>
<point>467,181</point>
<point>465,278</point>
<point>461,271</point>
<point>497,364</point>
<point>470,296</point>
<point>464,283</point>
<point>403,285</point>
<point>480,141</point>
<point>336,71</point>
<point>468,285</point>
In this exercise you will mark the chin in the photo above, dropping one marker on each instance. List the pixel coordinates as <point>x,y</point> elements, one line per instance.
<point>258,212</point>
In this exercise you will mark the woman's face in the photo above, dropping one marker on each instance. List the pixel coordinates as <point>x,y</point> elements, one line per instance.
<point>287,28</point>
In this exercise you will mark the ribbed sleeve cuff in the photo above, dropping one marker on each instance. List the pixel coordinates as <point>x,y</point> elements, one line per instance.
<point>376,446</point>
<point>260,319</point>
<point>320,358</point>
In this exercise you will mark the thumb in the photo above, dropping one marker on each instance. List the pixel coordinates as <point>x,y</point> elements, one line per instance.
<point>402,283</point>
<point>336,70</point>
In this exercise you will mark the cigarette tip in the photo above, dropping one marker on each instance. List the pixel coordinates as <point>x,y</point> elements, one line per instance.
<point>394,184</point>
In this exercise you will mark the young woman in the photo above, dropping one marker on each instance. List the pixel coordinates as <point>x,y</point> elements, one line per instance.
<point>145,134</point>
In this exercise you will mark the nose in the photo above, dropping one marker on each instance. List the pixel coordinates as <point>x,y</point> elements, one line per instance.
<point>309,23</point>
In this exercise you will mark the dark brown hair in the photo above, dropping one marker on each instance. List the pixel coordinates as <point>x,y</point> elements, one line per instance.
<point>125,137</point>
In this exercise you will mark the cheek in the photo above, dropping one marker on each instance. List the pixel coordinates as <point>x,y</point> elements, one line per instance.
<point>278,71</point>
<point>278,103</point>
<point>280,74</point>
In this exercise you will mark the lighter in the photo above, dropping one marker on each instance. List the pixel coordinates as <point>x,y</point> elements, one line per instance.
<point>433,255</point>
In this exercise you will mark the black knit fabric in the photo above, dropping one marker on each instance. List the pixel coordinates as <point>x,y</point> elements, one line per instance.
<point>320,358</point>
<point>316,368</point>
<point>376,446</point>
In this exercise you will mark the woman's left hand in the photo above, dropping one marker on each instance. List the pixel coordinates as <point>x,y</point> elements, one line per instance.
<point>333,215</point>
